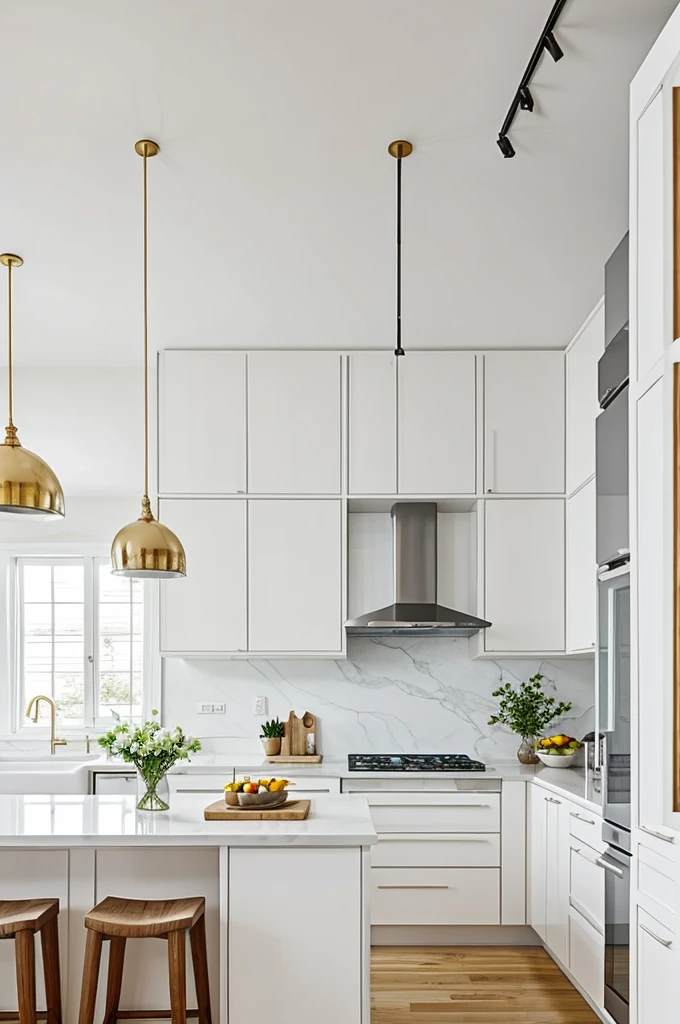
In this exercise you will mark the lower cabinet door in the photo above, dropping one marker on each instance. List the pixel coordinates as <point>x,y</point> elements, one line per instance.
<point>657,970</point>
<point>586,956</point>
<point>430,896</point>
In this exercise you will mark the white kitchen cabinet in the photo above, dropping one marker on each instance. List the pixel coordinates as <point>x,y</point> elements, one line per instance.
<point>372,422</point>
<point>437,423</point>
<point>294,422</point>
<point>657,970</point>
<point>201,422</point>
<point>581,565</point>
<point>295,589</point>
<point>650,566</point>
<point>524,422</point>
<point>435,896</point>
<point>557,879</point>
<point>586,956</point>
<point>537,839</point>
<point>582,399</point>
<point>524,574</point>
<point>206,612</point>
<point>651,224</point>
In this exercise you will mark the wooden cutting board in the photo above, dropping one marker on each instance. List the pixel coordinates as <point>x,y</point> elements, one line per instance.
<point>294,810</point>
<point>295,732</point>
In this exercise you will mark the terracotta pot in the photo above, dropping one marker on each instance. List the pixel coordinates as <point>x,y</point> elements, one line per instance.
<point>271,745</point>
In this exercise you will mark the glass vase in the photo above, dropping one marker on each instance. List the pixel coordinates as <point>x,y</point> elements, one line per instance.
<point>526,752</point>
<point>153,791</point>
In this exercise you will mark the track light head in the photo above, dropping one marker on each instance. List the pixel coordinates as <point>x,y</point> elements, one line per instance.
<point>553,47</point>
<point>505,146</point>
<point>526,100</point>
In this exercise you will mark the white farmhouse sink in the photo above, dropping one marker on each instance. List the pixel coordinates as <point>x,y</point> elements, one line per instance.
<point>34,757</point>
<point>35,776</point>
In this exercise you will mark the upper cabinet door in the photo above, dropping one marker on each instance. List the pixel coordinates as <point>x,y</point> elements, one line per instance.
<point>295,576</point>
<point>372,421</point>
<point>581,570</point>
<point>524,423</point>
<point>202,422</point>
<point>649,196</point>
<point>206,612</point>
<point>437,423</point>
<point>582,401</point>
<point>294,422</point>
<point>524,574</point>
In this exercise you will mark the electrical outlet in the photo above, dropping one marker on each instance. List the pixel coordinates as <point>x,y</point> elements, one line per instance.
<point>260,706</point>
<point>205,709</point>
<point>211,708</point>
<point>219,708</point>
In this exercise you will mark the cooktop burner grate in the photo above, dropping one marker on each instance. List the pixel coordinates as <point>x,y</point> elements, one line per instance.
<point>413,763</point>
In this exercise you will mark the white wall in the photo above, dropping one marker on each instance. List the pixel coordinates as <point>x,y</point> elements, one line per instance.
<point>86,423</point>
<point>392,694</point>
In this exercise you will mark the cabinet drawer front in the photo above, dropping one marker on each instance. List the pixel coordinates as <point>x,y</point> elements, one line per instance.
<point>586,826</point>
<point>586,956</point>
<point>437,851</point>
<point>474,812</point>
<point>214,784</point>
<point>656,879</point>
<point>430,896</point>
<point>586,883</point>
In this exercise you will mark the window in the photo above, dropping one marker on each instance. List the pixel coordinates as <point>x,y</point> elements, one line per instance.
<point>79,639</point>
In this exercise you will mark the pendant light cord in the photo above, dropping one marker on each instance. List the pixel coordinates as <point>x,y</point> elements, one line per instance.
<point>399,350</point>
<point>145,502</point>
<point>10,394</point>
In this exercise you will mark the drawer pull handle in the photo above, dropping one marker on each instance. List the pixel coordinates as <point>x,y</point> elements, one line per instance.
<point>574,814</point>
<point>585,915</point>
<point>664,942</point>
<point>445,837</point>
<point>425,804</point>
<point>551,800</point>
<point>609,867</point>
<point>414,886</point>
<point>657,835</point>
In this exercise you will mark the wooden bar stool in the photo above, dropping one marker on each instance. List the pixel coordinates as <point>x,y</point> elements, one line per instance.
<point>119,920</point>
<point>21,920</point>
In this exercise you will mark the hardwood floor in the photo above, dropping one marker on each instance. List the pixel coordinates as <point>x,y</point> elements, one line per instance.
<point>472,985</point>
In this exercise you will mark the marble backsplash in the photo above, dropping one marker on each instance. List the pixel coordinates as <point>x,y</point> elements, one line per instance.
<point>390,695</point>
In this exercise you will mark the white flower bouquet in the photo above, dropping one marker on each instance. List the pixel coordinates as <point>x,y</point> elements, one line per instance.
<point>153,750</point>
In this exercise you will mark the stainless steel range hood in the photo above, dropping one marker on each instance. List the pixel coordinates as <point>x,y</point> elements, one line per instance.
<point>415,611</point>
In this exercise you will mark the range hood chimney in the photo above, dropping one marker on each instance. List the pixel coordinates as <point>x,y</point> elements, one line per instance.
<point>415,611</point>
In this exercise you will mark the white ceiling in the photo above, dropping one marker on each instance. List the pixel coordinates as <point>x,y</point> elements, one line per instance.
<point>272,201</point>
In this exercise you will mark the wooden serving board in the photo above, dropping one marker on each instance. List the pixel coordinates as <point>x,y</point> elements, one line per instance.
<point>294,810</point>
<point>295,732</point>
<point>293,759</point>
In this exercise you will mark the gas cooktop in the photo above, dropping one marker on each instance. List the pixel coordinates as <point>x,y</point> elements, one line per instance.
<point>413,763</point>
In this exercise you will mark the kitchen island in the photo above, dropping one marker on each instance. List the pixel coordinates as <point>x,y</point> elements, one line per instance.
<point>286,902</point>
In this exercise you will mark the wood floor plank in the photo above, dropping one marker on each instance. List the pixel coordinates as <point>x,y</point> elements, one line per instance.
<point>472,984</point>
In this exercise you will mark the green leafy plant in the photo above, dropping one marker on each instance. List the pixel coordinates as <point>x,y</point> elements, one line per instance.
<point>528,709</point>
<point>272,730</point>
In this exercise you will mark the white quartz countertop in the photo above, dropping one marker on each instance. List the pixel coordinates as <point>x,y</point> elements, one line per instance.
<point>67,821</point>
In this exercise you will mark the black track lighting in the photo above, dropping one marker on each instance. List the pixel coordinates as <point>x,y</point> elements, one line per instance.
<point>523,99</point>
<point>505,146</point>
<point>526,100</point>
<point>553,47</point>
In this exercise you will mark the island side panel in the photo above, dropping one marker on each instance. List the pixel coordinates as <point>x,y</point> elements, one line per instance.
<point>296,920</point>
<point>160,873</point>
<point>29,875</point>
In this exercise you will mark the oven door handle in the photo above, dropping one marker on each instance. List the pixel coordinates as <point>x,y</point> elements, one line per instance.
<point>608,866</point>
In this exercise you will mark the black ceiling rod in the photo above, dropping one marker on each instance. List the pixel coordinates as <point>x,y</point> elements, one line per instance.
<point>523,99</point>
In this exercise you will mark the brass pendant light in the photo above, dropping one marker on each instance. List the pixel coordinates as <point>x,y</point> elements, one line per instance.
<point>27,484</point>
<point>146,548</point>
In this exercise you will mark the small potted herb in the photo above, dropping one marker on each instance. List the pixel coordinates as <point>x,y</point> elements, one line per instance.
<point>272,733</point>
<point>527,711</point>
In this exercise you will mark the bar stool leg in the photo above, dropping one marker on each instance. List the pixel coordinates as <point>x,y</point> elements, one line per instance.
<point>177,969</point>
<point>115,979</point>
<point>88,993</point>
<point>49,940</point>
<point>25,966</point>
<point>199,956</point>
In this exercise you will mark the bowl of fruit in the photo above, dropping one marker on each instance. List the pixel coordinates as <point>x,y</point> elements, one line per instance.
<point>558,751</point>
<point>256,793</point>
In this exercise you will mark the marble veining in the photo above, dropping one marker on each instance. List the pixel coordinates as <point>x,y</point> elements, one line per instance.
<point>392,694</point>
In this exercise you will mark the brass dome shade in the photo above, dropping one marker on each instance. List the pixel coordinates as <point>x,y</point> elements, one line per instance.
<point>27,484</point>
<point>146,549</point>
